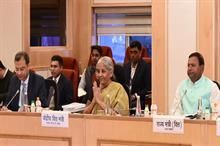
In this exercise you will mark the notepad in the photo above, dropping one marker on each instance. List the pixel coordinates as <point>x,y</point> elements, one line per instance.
<point>74,107</point>
<point>81,92</point>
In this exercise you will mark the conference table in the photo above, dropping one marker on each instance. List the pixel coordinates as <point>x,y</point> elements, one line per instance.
<point>25,129</point>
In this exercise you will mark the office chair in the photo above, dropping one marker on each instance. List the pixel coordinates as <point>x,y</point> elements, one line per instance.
<point>73,77</point>
<point>106,51</point>
<point>217,84</point>
<point>71,63</point>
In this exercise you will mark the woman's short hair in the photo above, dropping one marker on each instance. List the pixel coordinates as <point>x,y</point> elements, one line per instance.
<point>107,62</point>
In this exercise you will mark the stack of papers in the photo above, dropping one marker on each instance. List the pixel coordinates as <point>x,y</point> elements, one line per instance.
<point>74,107</point>
<point>81,92</point>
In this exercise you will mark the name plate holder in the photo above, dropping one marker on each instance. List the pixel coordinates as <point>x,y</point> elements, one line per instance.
<point>55,119</point>
<point>168,124</point>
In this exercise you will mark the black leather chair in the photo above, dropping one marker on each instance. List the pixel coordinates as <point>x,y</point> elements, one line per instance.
<point>52,91</point>
<point>217,84</point>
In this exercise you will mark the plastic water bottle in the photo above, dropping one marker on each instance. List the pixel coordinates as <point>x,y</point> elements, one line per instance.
<point>107,109</point>
<point>138,106</point>
<point>207,113</point>
<point>199,111</point>
<point>146,111</point>
<point>38,105</point>
<point>153,109</point>
<point>33,108</point>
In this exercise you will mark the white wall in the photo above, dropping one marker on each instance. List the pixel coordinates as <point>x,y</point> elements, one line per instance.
<point>10,30</point>
<point>181,41</point>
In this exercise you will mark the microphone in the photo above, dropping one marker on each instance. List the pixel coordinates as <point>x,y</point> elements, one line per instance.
<point>16,93</point>
<point>179,102</point>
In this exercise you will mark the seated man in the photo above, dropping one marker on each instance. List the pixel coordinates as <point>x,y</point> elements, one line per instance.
<point>89,74</point>
<point>25,86</point>
<point>5,77</point>
<point>137,75</point>
<point>196,87</point>
<point>65,87</point>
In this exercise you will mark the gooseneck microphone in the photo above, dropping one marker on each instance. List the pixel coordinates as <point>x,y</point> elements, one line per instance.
<point>16,93</point>
<point>179,102</point>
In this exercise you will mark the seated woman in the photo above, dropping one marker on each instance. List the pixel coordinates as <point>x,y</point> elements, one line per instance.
<point>107,94</point>
<point>89,74</point>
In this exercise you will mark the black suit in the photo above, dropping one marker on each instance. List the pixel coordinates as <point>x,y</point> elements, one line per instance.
<point>4,85</point>
<point>36,88</point>
<point>65,91</point>
<point>141,82</point>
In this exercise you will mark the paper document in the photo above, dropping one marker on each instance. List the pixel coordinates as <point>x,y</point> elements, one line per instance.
<point>81,92</point>
<point>74,107</point>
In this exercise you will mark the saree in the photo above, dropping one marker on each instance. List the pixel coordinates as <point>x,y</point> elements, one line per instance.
<point>116,97</point>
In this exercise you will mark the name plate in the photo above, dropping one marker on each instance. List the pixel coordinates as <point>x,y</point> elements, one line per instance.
<point>55,119</point>
<point>168,124</point>
<point>218,126</point>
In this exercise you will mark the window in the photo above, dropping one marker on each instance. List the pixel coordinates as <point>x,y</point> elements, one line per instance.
<point>117,27</point>
<point>48,22</point>
<point>117,44</point>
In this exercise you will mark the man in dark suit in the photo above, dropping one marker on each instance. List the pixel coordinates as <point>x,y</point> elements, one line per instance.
<point>25,86</point>
<point>65,87</point>
<point>137,75</point>
<point>5,77</point>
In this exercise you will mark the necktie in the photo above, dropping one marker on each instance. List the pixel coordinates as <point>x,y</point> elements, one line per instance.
<point>24,99</point>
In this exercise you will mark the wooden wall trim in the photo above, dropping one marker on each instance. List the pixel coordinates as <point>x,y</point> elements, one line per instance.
<point>37,53</point>
<point>26,24</point>
<point>159,55</point>
<point>36,138</point>
<point>205,35</point>
<point>110,3</point>
<point>103,142</point>
<point>217,40</point>
<point>120,4</point>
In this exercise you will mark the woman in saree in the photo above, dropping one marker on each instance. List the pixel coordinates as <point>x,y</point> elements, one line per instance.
<point>108,96</point>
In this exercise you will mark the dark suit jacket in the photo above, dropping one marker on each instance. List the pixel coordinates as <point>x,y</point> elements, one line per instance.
<point>65,91</point>
<point>89,78</point>
<point>36,88</point>
<point>141,82</point>
<point>4,85</point>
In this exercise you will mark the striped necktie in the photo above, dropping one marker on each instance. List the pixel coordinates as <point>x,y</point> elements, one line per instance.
<point>24,99</point>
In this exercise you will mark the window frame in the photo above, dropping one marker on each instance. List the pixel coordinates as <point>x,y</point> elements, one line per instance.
<point>40,49</point>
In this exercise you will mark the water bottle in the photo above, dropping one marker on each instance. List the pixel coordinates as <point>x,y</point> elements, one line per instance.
<point>207,113</point>
<point>33,108</point>
<point>138,106</point>
<point>38,105</point>
<point>199,111</point>
<point>146,111</point>
<point>153,109</point>
<point>107,108</point>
